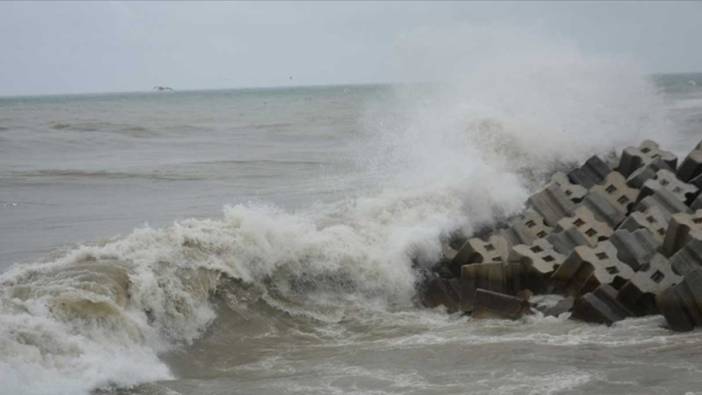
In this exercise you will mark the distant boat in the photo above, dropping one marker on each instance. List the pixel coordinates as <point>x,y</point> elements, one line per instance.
<point>163,89</point>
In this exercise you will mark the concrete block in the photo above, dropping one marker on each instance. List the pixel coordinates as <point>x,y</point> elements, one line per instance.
<point>646,172</point>
<point>552,204</point>
<point>635,248</point>
<point>652,219</point>
<point>600,306</point>
<point>697,181</point>
<point>688,258</point>
<point>498,277</point>
<point>437,292</point>
<point>681,228</point>
<point>591,173</point>
<point>639,293</point>
<point>691,166</point>
<point>681,305</point>
<point>666,179</point>
<point>476,250</point>
<point>583,220</point>
<point>575,192</point>
<point>586,268</point>
<point>697,203</point>
<point>665,200</point>
<point>525,228</point>
<point>604,211</point>
<point>490,304</point>
<point>565,241</point>
<point>634,157</point>
<point>616,191</point>
<point>465,293</point>
<point>539,261</point>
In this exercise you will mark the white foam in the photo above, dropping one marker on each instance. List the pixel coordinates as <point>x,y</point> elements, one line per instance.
<point>451,157</point>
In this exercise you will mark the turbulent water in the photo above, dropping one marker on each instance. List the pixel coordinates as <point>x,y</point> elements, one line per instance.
<point>122,273</point>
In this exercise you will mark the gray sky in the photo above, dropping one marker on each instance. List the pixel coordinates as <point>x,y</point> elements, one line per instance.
<point>51,47</point>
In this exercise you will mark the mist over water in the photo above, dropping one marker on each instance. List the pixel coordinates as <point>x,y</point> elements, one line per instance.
<point>331,194</point>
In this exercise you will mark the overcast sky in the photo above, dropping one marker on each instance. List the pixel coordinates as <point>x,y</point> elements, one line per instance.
<point>51,47</point>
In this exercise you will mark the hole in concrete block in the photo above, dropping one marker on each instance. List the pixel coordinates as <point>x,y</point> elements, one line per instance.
<point>530,224</point>
<point>601,255</point>
<point>661,231</point>
<point>541,234</point>
<point>489,247</point>
<point>645,150</point>
<point>536,249</point>
<point>650,219</point>
<point>623,200</point>
<point>657,277</point>
<point>664,182</point>
<point>612,270</point>
<point>549,258</point>
<point>591,232</point>
<point>568,192</point>
<point>677,190</point>
<point>578,222</point>
<point>497,259</point>
<point>697,220</point>
<point>611,189</point>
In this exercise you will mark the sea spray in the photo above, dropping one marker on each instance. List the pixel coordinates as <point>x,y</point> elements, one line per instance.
<point>438,157</point>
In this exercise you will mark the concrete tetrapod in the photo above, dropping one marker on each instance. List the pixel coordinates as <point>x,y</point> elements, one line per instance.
<point>591,173</point>
<point>634,157</point>
<point>586,268</point>
<point>552,204</point>
<point>681,228</point>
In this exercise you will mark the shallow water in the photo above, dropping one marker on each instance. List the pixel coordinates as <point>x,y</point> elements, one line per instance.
<point>305,282</point>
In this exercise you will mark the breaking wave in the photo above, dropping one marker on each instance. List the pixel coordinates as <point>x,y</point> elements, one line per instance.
<point>446,157</point>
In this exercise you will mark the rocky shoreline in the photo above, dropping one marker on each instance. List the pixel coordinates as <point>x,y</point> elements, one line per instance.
<point>615,241</point>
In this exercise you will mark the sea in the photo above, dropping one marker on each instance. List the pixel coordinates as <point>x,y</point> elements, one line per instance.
<point>270,240</point>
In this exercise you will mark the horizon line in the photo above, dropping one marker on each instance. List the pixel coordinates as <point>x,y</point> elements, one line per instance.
<point>254,87</point>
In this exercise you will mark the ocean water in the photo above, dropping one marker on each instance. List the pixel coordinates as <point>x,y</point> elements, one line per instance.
<point>265,240</point>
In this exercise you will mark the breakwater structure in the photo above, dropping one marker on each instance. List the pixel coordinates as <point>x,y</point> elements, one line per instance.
<point>616,239</point>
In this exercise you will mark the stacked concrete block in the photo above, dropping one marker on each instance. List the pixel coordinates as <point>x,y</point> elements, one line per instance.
<point>525,228</point>
<point>681,305</point>
<point>635,248</point>
<point>491,304</point>
<point>565,243</point>
<point>665,200</point>
<point>639,293</point>
<point>476,250</point>
<point>566,240</point>
<point>539,261</point>
<point>552,204</point>
<point>646,172</point>
<point>617,192</point>
<point>591,173</point>
<point>583,220</point>
<point>587,268</point>
<point>438,292</point>
<point>688,258</point>
<point>600,306</point>
<point>681,228</point>
<point>498,277</point>
<point>652,219</point>
<point>634,157</point>
<point>604,210</point>
<point>575,192</point>
<point>691,167</point>
<point>666,179</point>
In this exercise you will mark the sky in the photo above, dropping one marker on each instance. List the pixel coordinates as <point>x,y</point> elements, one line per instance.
<point>78,47</point>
